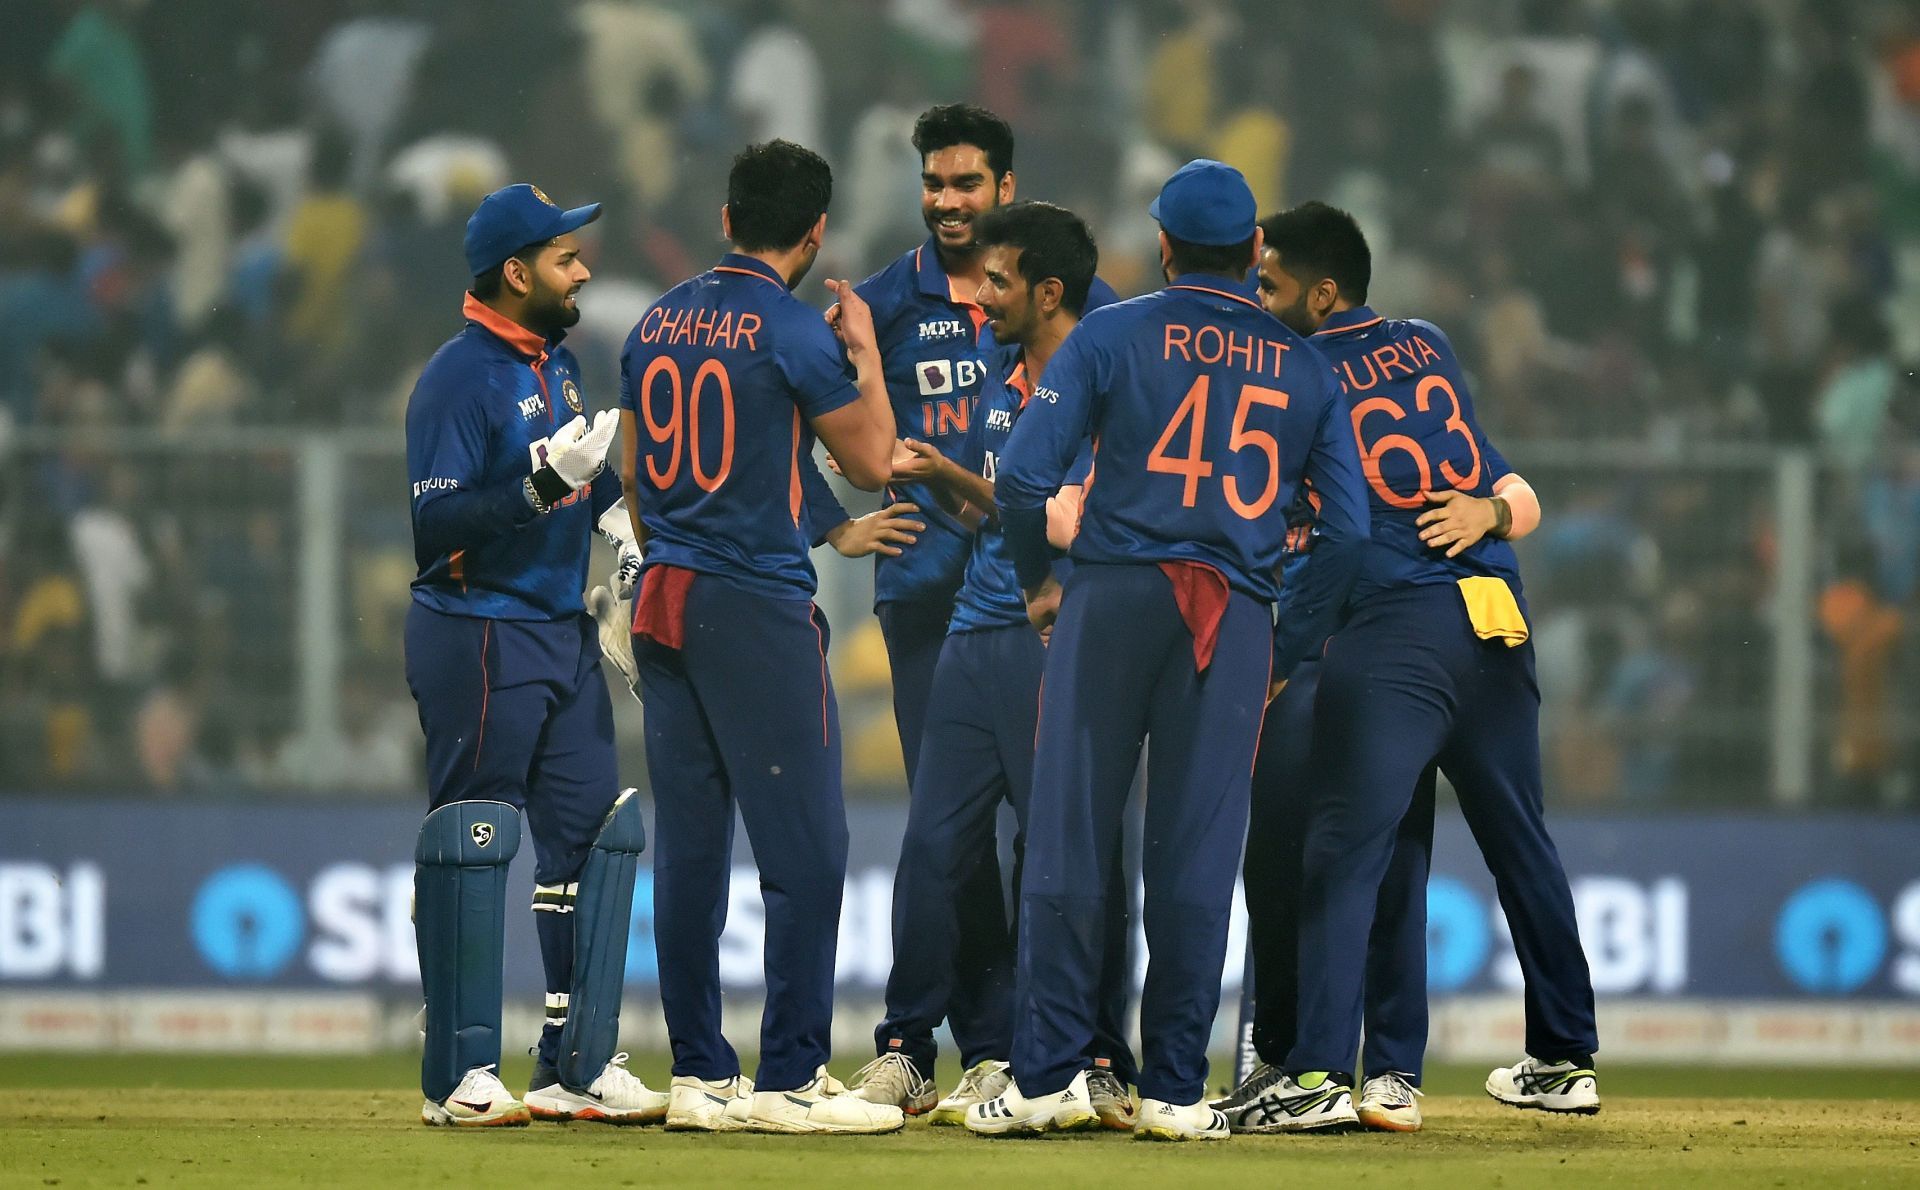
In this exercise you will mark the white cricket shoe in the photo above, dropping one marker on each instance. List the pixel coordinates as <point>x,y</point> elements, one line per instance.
<point>1160,1120</point>
<point>616,1097</point>
<point>981,1082</point>
<point>697,1105</point>
<point>1271,1101</point>
<point>893,1078</point>
<point>1387,1104</point>
<point>1549,1086</point>
<point>480,1101</point>
<point>823,1105</point>
<point>1112,1102</point>
<point>1011,1113</point>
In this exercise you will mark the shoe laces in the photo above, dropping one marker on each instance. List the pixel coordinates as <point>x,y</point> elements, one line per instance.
<point>892,1072</point>
<point>1393,1088</point>
<point>1102,1081</point>
<point>973,1082</point>
<point>1257,1081</point>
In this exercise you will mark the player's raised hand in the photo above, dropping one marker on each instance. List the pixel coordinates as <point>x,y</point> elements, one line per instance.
<point>1456,521</point>
<point>578,452</point>
<point>883,531</point>
<point>851,318</point>
<point>917,462</point>
<point>1043,607</point>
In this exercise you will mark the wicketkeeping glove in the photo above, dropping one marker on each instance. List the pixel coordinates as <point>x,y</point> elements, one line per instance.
<point>576,454</point>
<point>614,616</point>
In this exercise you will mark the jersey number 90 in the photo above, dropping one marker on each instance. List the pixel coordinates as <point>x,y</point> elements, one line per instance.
<point>681,423</point>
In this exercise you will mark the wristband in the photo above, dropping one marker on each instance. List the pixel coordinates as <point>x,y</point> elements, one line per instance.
<point>1502,517</point>
<point>545,488</point>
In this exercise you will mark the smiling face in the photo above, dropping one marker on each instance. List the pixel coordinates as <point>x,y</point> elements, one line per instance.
<point>1005,297</point>
<point>957,187</point>
<point>1286,298</point>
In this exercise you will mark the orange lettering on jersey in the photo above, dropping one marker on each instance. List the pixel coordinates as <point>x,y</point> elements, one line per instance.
<point>1178,338</point>
<point>703,327</point>
<point>1235,346</point>
<point>952,416</point>
<point>669,322</point>
<point>1353,382</point>
<point>1389,357</point>
<point>684,332</point>
<point>722,331</point>
<point>1200,351</point>
<point>653,316</point>
<point>1426,352</point>
<point>748,326</point>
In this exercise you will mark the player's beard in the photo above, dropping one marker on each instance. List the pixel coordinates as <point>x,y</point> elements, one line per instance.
<point>547,312</point>
<point>1297,317</point>
<point>932,218</point>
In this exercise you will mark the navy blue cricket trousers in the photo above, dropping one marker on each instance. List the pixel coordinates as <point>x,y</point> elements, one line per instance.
<point>1396,971</point>
<point>978,751</point>
<point>1406,685</point>
<point>744,714</point>
<point>517,711</point>
<point>1120,671</point>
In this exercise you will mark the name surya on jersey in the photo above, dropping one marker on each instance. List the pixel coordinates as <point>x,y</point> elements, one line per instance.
<point>1211,345</point>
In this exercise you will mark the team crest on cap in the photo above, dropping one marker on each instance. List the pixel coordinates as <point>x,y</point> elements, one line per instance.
<point>540,194</point>
<point>571,392</point>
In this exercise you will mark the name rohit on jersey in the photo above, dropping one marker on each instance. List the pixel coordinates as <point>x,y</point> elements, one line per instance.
<point>1211,345</point>
<point>434,485</point>
<point>700,328</point>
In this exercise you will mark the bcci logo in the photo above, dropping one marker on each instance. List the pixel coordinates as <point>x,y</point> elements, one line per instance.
<point>482,833</point>
<point>571,392</point>
<point>540,194</point>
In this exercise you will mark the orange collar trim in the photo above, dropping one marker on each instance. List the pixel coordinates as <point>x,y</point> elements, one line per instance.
<point>505,329</point>
<point>1341,330</point>
<point>1230,296</point>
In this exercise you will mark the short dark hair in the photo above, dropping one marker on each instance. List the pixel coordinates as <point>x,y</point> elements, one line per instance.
<point>1317,241</point>
<point>952,124</point>
<point>776,192</point>
<point>488,285</point>
<point>1053,242</point>
<point>1228,260</point>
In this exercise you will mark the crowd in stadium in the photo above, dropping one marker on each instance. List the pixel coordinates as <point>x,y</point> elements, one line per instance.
<point>1656,222</point>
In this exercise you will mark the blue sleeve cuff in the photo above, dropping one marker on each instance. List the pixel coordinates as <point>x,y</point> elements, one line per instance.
<point>1026,530</point>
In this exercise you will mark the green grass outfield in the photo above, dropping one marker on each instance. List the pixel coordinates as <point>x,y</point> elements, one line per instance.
<point>89,1120</point>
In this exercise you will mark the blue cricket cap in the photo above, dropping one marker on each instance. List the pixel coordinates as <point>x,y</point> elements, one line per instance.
<point>514,216</point>
<point>1206,202</point>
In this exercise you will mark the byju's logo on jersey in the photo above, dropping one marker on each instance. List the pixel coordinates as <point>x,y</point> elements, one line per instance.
<point>935,376</point>
<point>943,328</point>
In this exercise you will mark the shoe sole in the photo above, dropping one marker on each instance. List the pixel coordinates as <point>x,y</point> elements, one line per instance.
<point>1380,1121</point>
<point>673,1125</point>
<point>1318,1124</point>
<point>518,1118</point>
<point>948,1117</point>
<point>1582,1109</point>
<point>1075,1123</point>
<point>1116,1122</point>
<point>1153,1133</point>
<point>770,1128</point>
<point>594,1115</point>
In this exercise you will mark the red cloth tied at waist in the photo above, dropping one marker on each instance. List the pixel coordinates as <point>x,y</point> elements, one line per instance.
<point>1201,592</point>
<point>660,609</point>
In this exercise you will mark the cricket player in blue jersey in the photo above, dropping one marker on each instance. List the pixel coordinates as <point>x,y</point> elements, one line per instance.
<point>1206,414</point>
<point>725,382</point>
<point>504,664</point>
<point>1039,263</point>
<point>1432,668</point>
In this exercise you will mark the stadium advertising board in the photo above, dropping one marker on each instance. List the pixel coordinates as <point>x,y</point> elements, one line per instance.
<point>109,894</point>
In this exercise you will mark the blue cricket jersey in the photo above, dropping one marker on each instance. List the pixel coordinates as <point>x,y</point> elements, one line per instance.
<point>990,591</point>
<point>933,352</point>
<point>478,422</point>
<point>723,375</point>
<point>1412,419</point>
<point>1206,413</point>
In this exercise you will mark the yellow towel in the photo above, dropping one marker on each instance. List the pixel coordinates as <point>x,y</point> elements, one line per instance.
<point>1494,611</point>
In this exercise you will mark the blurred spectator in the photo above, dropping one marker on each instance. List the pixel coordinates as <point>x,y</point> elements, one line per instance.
<point>99,65</point>
<point>775,86</point>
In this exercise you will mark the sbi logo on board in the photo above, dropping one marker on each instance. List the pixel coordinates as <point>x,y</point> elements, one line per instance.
<point>1832,936</point>
<point>353,923</point>
<point>1634,934</point>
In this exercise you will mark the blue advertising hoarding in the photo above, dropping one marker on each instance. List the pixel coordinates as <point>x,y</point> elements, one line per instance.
<point>110,894</point>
